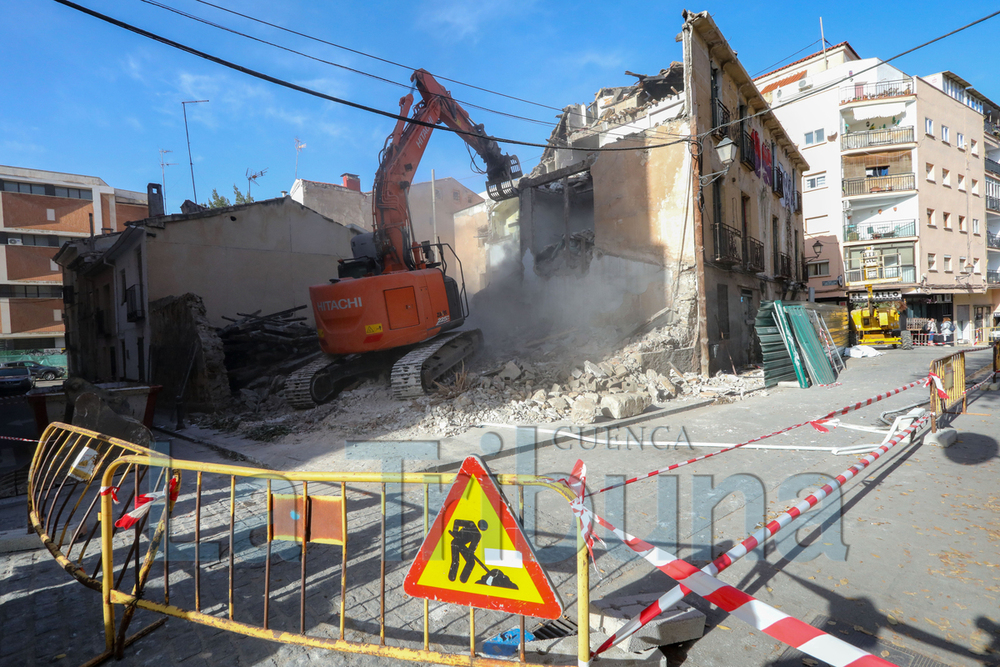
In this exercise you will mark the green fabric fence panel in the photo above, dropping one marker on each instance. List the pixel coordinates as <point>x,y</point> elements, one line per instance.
<point>58,360</point>
<point>808,341</point>
<point>779,366</point>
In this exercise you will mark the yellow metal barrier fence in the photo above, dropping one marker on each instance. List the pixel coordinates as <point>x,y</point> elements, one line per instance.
<point>952,371</point>
<point>213,544</point>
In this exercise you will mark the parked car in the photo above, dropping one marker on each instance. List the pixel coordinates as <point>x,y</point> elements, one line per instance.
<point>37,370</point>
<point>16,380</point>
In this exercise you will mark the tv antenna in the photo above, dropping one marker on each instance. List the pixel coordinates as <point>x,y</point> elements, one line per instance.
<point>163,171</point>
<point>298,149</point>
<point>252,177</point>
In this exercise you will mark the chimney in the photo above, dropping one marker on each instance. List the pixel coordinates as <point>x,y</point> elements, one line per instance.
<point>154,199</point>
<point>352,182</point>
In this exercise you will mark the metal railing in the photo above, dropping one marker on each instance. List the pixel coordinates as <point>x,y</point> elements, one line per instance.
<point>993,277</point>
<point>871,138</point>
<point>784,268</point>
<point>747,154</point>
<point>720,119</point>
<point>871,184</point>
<point>728,243</point>
<point>753,254</point>
<point>134,309</point>
<point>871,231</point>
<point>953,373</point>
<point>991,128</point>
<point>180,538</point>
<point>992,203</point>
<point>904,274</point>
<point>778,183</point>
<point>992,240</point>
<point>876,91</point>
<point>992,166</point>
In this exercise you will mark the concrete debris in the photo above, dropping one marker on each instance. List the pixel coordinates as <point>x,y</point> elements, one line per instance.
<point>511,371</point>
<point>620,406</point>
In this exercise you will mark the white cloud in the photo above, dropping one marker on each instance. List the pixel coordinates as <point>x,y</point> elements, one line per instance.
<point>460,18</point>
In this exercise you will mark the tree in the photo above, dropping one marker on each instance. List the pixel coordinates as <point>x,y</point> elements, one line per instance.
<point>240,198</point>
<point>217,201</point>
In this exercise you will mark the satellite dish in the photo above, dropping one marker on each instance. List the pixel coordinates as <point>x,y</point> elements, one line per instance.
<point>840,280</point>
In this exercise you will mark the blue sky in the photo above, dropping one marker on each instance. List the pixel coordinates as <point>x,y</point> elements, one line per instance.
<point>81,96</point>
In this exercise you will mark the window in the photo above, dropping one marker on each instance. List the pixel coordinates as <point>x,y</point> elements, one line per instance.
<point>975,187</point>
<point>819,268</point>
<point>882,170</point>
<point>43,189</point>
<point>961,182</point>
<point>945,134</point>
<point>456,195</point>
<point>817,181</point>
<point>975,225</point>
<point>947,263</point>
<point>960,141</point>
<point>815,137</point>
<point>974,146</point>
<point>947,220</point>
<point>945,177</point>
<point>931,222</point>
<point>929,170</point>
<point>30,292</point>
<point>961,265</point>
<point>961,224</point>
<point>929,126</point>
<point>975,265</point>
<point>57,315</point>
<point>931,262</point>
<point>121,274</point>
<point>48,240</point>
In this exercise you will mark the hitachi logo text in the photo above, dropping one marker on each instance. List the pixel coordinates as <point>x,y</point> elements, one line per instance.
<point>340,304</point>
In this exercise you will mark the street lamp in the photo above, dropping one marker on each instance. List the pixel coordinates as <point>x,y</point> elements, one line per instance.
<point>817,248</point>
<point>726,152</point>
<point>190,161</point>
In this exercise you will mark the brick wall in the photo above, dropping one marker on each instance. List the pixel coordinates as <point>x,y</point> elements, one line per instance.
<point>31,263</point>
<point>35,315</point>
<point>31,212</point>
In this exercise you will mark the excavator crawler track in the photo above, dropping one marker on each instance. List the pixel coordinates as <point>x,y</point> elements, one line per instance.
<point>413,375</point>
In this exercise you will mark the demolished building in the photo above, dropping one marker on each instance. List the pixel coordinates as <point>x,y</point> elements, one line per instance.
<point>638,222</point>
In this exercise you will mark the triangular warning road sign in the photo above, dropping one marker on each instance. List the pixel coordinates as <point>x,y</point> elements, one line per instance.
<point>476,553</point>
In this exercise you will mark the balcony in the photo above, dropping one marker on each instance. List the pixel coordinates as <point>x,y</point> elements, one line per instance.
<point>874,231</point>
<point>876,138</point>
<point>889,274</point>
<point>747,154</point>
<point>753,254</point>
<point>993,203</point>
<point>134,310</point>
<point>993,277</point>
<point>784,268</point>
<point>778,183</point>
<point>720,119</point>
<point>876,91</point>
<point>991,128</point>
<point>728,243</point>
<point>992,240</point>
<point>876,184</point>
<point>993,166</point>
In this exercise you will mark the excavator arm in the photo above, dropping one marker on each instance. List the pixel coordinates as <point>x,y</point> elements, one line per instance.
<point>401,156</point>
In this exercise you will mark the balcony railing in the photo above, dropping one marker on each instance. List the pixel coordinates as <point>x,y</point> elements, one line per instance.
<point>993,240</point>
<point>747,155</point>
<point>876,91</point>
<point>778,183</point>
<point>133,304</point>
<point>993,203</point>
<point>993,277</point>
<point>728,243</point>
<point>870,184</point>
<point>720,119</point>
<point>873,231</point>
<point>993,166</point>
<point>798,201</point>
<point>991,128</point>
<point>784,269</point>
<point>903,274</point>
<point>874,138</point>
<point>753,254</point>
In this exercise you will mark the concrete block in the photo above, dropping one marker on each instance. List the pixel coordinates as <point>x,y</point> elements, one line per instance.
<point>945,437</point>
<point>594,369</point>
<point>511,371</point>
<point>994,386</point>
<point>620,406</point>
<point>12,541</point>
<point>584,411</point>
<point>791,384</point>
<point>680,623</point>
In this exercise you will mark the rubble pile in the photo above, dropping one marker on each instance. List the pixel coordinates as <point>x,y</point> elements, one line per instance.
<point>259,347</point>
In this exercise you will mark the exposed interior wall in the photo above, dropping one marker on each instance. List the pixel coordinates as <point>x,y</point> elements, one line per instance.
<point>183,339</point>
<point>260,257</point>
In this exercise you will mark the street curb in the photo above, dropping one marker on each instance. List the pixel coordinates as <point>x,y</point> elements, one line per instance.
<point>12,541</point>
<point>225,452</point>
<point>618,423</point>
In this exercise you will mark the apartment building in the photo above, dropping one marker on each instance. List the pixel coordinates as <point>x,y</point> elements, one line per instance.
<point>39,212</point>
<point>898,165</point>
<point>991,162</point>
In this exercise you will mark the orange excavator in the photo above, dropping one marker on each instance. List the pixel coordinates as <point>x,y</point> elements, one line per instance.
<point>393,305</point>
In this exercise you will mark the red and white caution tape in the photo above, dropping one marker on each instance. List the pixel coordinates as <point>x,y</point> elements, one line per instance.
<point>112,490</point>
<point>673,596</point>
<point>822,424</point>
<point>142,504</point>
<point>10,437</point>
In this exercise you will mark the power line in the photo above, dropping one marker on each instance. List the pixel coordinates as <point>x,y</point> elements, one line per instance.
<point>768,68</point>
<point>315,93</point>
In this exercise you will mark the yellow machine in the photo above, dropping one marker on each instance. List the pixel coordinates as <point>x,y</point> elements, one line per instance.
<point>877,323</point>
